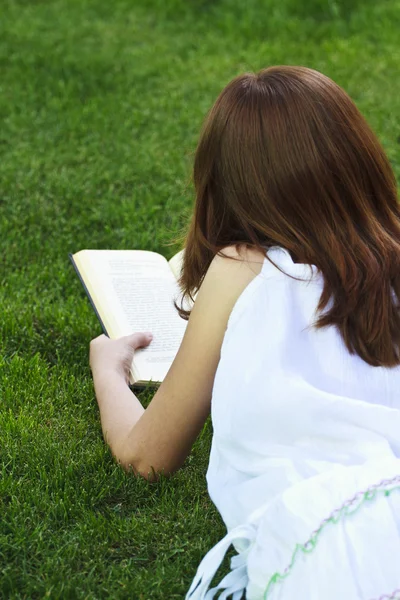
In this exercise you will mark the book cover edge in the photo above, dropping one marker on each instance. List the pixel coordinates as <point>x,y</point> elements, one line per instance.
<point>71,257</point>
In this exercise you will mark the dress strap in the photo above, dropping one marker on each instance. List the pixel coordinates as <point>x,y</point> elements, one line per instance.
<point>236,581</point>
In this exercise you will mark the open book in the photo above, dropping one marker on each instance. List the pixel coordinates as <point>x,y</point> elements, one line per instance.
<point>133,291</point>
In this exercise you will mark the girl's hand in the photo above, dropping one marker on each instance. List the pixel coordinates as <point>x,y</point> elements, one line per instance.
<point>116,355</point>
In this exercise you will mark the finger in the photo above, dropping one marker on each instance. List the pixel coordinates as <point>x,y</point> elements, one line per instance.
<point>98,338</point>
<point>139,340</point>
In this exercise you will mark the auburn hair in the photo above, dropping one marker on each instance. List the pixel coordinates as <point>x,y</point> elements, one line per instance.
<point>285,158</point>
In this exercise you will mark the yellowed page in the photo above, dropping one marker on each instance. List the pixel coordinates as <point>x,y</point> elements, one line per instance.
<point>176,263</point>
<point>134,290</point>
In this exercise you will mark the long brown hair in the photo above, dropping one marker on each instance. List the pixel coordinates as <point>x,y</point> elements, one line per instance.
<point>285,158</point>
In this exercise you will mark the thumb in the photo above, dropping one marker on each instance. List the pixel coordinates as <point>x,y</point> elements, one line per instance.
<point>139,340</point>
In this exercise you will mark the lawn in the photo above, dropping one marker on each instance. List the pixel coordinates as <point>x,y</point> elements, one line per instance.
<point>101,103</point>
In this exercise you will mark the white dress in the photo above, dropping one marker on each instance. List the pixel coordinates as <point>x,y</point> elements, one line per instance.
<point>304,466</point>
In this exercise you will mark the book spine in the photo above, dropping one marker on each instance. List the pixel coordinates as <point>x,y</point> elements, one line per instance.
<point>88,294</point>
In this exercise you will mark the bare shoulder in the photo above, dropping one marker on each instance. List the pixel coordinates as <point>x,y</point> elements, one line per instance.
<point>243,253</point>
<point>245,262</point>
<point>230,272</point>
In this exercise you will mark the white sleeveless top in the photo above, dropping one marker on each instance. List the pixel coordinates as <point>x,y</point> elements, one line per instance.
<point>304,465</point>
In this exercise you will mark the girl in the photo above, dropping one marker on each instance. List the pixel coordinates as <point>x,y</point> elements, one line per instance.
<point>293,342</point>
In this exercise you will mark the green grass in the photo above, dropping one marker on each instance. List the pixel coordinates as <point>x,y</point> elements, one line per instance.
<point>100,106</point>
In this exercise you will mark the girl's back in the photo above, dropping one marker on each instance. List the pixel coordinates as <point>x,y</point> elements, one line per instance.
<point>290,401</point>
<point>301,427</point>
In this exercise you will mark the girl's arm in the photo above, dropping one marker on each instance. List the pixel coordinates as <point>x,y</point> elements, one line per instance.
<point>159,438</point>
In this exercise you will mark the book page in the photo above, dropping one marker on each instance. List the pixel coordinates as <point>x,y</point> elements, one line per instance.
<point>134,291</point>
<point>176,264</point>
